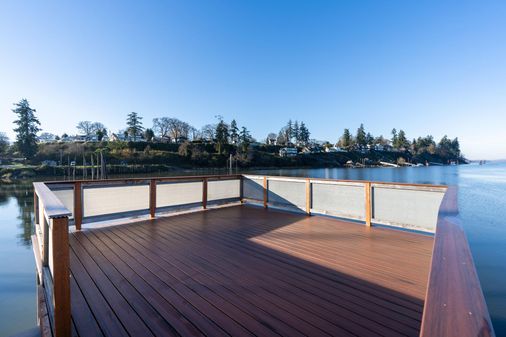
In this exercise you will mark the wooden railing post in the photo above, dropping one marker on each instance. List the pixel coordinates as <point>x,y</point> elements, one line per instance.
<point>308,196</point>
<point>61,276</point>
<point>368,208</point>
<point>78,205</point>
<point>265,192</point>
<point>36,207</point>
<point>204,193</point>
<point>241,189</point>
<point>152,198</point>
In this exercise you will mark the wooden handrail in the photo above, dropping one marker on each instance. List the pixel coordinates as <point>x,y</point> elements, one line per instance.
<point>53,207</point>
<point>348,181</point>
<point>145,179</point>
<point>53,260</point>
<point>454,304</point>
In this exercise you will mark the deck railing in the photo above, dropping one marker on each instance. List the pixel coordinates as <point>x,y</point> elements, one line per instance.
<point>413,206</point>
<point>51,249</point>
<point>454,304</point>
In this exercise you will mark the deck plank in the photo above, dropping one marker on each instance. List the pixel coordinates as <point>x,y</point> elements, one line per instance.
<point>347,307</point>
<point>248,271</point>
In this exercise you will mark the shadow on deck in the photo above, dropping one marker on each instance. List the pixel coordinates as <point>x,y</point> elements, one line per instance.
<point>243,271</point>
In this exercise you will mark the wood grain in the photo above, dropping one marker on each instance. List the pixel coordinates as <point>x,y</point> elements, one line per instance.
<point>454,304</point>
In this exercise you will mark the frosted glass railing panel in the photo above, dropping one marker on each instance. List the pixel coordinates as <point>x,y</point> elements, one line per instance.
<point>253,188</point>
<point>66,197</point>
<point>223,189</point>
<point>413,207</point>
<point>287,192</point>
<point>173,194</point>
<point>118,199</point>
<point>343,200</point>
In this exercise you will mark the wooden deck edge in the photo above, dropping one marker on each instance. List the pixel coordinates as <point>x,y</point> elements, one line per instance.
<point>454,303</point>
<point>42,313</point>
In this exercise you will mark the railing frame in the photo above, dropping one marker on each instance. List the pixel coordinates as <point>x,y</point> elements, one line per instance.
<point>52,260</point>
<point>452,272</point>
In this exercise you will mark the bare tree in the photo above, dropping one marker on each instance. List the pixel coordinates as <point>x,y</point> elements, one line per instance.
<point>161,127</point>
<point>85,127</point>
<point>208,132</point>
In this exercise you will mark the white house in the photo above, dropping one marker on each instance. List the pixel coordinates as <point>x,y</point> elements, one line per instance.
<point>288,152</point>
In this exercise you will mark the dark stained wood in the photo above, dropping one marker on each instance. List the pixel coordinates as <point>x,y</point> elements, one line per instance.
<point>204,193</point>
<point>78,205</point>
<point>145,179</point>
<point>61,277</point>
<point>455,305</point>
<point>42,314</point>
<point>152,198</point>
<point>248,271</point>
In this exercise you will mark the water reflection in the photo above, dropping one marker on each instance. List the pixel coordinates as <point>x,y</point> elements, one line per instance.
<point>22,192</point>
<point>481,200</point>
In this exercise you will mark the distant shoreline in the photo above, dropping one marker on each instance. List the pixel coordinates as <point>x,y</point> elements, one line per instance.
<point>34,171</point>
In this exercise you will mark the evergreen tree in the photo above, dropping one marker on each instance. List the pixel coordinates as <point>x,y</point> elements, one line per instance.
<point>361,137</point>
<point>369,139</point>
<point>234,132</point>
<point>4,143</point>
<point>100,134</point>
<point>134,123</point>
<point>149,134</point>
<point>402,141</point>
<point>28,126</point>
<point>346,140</point>
<point>296,132</point>
<point>221,136</point>
<point>245,139</point>
<point>289,131</point>
<point>304,134</point>
<point>394,138</point>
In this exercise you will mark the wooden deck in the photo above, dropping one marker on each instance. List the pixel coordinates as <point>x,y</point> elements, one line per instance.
<point>245,271</point>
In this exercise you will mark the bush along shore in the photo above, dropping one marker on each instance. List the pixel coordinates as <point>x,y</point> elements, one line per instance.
<point>99,159</point>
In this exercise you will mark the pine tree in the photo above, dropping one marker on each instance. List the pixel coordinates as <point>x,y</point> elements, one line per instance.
<point>402,141</point>
<point>28,126</point>
<point>245,139</point>
<point>234,132</point>
<point>296,132</point>
<point>303,133</point>
<point>361,137</point>
<point>134,123</point>
<point>346,139</point>
<point>289,131</point>
<point>395,142</point>
<point>221,136</point>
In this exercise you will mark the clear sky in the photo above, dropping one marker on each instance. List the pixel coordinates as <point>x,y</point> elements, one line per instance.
<point>428,67</point>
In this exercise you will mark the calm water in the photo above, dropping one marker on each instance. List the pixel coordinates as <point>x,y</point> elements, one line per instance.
<point>482,201</point>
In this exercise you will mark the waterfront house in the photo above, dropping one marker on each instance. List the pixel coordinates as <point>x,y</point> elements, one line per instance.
<point>288,152</point>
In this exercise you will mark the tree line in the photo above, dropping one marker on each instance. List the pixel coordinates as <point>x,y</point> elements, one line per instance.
<point>221,134</point>
<point>448,148</point>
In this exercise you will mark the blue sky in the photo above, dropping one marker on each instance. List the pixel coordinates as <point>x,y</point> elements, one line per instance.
<point>428,67</point>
